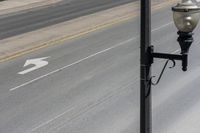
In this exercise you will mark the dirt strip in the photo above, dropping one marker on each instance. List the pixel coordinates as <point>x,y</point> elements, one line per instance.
<point>53,35</point>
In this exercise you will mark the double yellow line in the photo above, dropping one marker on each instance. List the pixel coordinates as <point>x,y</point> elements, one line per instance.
<point>79,34</point>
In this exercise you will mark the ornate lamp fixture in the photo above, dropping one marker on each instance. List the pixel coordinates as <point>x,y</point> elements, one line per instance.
<point>186,16</point>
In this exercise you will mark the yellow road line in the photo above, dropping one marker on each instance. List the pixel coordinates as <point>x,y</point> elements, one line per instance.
<point>76,35</point>
<point>64,38</point>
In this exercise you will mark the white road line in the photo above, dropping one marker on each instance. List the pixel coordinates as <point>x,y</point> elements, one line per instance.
<point>67,66</point>
<point>176,51</point>
<point>57,70</point>
<point>49,121</point>
<point>158,28</point>
<point>103,51</point>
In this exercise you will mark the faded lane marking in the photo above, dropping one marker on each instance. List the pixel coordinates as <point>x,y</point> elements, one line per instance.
<point>85,109</point>
<point>49,121</point>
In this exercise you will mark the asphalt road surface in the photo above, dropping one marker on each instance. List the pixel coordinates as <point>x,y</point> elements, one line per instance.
<point>91,85</point>
<point>22,22</point>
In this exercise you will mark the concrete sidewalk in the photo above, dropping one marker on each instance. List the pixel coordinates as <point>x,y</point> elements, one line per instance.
<point>11,6</point>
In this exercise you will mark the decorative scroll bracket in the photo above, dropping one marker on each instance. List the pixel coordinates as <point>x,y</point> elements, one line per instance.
<point>160,76</point>
<point>170,57</point>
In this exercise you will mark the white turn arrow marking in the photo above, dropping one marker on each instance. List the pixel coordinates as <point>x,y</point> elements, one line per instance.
<point>39,63</point>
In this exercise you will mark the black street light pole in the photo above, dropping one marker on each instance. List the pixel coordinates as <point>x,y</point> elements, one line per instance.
<point>145,68</point>
<point>186,17</point>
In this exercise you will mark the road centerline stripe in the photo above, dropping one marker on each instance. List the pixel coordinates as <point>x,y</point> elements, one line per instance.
<point>156,6</point>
